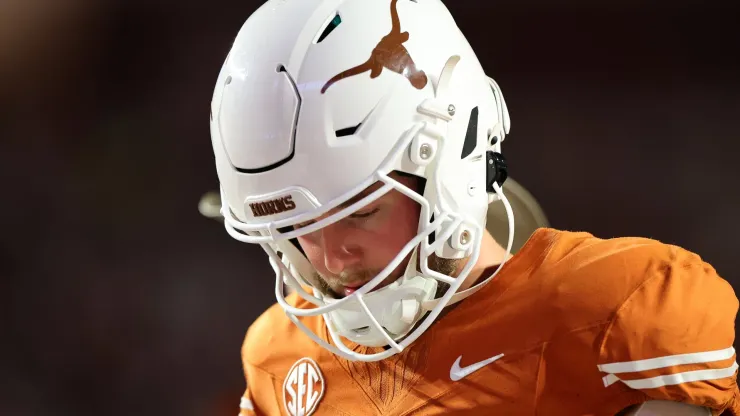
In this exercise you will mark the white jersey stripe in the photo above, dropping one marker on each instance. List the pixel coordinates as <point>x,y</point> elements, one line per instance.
<point>667,361</point>
<point>246,404</point>
<point>673,379</point>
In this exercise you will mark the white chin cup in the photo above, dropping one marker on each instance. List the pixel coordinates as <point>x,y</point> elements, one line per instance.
<point>397,308</point>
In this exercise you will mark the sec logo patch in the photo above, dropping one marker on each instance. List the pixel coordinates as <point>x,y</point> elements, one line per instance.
<point>303,388</point>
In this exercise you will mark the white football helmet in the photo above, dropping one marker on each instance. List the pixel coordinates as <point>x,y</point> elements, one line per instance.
<point>320,99</point>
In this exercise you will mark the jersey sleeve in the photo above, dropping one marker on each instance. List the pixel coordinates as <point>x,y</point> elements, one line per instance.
<point>259,398</point>
<point>672,338</point>
<point>246,406</point>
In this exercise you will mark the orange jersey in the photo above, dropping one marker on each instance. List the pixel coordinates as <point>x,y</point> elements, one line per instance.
<point>572,325</point>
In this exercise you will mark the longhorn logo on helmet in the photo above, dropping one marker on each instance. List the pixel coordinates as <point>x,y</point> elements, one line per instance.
<point>388,53</point>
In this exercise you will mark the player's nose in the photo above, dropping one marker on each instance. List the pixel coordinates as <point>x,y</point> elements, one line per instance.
<point>339,253</point>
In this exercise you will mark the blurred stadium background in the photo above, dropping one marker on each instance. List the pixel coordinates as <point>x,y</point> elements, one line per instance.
<point>118,297</point>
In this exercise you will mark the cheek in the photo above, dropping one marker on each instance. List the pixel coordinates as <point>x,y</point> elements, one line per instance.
<point>389,238</point>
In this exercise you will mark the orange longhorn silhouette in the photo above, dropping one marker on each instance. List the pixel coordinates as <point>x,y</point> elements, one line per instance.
<point>388,53</point>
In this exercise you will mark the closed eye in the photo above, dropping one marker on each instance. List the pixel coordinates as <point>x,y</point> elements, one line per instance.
<point>364,214</point>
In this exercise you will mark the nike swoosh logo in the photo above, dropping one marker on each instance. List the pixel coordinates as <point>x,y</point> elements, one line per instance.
<point>457,373</point>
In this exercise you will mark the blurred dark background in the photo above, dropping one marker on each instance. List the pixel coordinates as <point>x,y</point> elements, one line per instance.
<point>117,297</point>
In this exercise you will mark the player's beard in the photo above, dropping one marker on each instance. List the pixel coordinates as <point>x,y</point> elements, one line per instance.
<point>447,267</point>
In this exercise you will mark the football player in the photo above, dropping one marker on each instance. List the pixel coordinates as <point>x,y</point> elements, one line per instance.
<point>358,142</point>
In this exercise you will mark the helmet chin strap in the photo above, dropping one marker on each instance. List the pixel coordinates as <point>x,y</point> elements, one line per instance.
<point>395,308</point>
